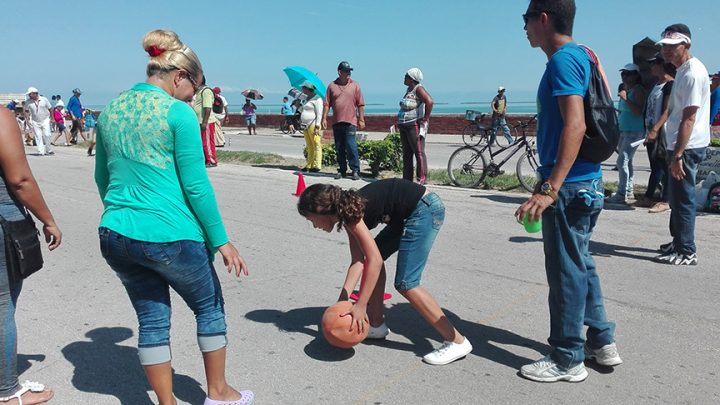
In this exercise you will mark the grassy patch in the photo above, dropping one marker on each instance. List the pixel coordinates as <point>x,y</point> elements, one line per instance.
<point>254,158</point>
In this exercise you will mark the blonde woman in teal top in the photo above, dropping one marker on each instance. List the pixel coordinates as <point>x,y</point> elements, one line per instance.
<point>161,223</point>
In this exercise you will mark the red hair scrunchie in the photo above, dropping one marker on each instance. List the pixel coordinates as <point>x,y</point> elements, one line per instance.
<point>154,50</point>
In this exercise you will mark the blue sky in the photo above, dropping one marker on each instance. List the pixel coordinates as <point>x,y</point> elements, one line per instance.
<point>465,48</point>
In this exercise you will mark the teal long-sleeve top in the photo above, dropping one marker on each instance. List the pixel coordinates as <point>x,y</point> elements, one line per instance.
<point>150,170</point>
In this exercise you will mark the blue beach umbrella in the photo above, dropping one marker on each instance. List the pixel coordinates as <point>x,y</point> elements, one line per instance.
<point>297,76</point>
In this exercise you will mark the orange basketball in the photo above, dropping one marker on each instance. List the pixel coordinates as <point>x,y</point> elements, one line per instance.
<point>336,328</point>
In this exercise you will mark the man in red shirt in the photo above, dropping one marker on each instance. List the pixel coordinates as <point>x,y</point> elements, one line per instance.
<point>345,98</point>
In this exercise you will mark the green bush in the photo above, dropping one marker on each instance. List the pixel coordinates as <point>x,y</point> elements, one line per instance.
<point>715,142</point>
<point>379,155</point>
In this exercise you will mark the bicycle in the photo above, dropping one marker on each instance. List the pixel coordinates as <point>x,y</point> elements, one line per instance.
<point>467,166</point>
<point>476,133</point>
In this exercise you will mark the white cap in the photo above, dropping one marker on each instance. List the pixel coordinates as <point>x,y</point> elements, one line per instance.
<point>630,67</point>
<point>31,90</point>
<point>415,74</point>
<point>500,88</point>
<point>673,38</point>
<point>307,84</point>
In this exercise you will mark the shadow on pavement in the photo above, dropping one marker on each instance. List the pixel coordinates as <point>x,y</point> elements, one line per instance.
<point>505,199</point>
<point>300,320</point>
<point>403,320</point>
<point>24,361</point>
<point>607,249</point>
<point>103,366</point>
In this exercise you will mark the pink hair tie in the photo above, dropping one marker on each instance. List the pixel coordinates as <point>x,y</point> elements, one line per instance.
<point>154,50</point>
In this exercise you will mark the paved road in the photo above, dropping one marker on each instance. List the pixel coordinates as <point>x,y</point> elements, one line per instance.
<point>438,149</point>
<point>78,331</point>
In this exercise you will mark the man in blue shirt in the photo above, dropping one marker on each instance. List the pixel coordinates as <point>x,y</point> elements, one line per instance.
<point>74,106</point>
<point>288,112</point>
<point>569,200</point>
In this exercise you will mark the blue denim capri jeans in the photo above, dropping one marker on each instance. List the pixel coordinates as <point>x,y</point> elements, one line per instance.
<point>414,242</point>
<point>148,270</point>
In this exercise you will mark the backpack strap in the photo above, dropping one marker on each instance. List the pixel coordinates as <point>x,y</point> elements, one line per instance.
<point>596,61</point>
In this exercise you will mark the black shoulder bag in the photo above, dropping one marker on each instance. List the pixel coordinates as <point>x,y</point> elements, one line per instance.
<point>603,133</point>
<point>22,248</point>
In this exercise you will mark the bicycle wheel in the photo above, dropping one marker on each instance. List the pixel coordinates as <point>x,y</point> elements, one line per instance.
<point>526,170</point>
<point>466,167</point>
<point>471,135</point>
<point>284,127</point>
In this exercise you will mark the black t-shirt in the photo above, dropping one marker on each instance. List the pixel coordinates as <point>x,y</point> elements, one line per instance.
<point>390,202</point>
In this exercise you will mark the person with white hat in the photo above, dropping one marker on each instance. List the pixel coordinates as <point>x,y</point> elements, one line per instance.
<point>38,111</point>
<point>311,119</point>
<point>413,120</point>
<point>499,107</point>
<point>688,134</point>
<point>632,129</point>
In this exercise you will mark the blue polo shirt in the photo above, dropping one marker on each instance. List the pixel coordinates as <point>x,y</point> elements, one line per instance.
<point>74,106</point>
<point>287,109</point>
<point>567,73</point>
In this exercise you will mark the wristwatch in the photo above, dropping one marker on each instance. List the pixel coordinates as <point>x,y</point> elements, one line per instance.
<point>547,189</point>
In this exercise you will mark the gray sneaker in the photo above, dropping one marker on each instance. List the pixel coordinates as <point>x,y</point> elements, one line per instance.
<point>616,199</point>
<point>356,176</point>
<point>546,370</point>
<point>604,356</point>
<point>339,175</point>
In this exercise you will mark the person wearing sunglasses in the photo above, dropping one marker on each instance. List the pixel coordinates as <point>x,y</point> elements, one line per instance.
<point>569,200</point>
<point>161,225</point>
<point>687,134</point>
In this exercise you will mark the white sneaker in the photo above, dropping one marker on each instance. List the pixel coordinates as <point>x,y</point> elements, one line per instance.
<point>546,370</point>
<point>604,356</point>
<point>378,332</point>
<point>448,352</point>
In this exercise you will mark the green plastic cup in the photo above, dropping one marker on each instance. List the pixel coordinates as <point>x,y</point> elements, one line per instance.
<point>532,226</point>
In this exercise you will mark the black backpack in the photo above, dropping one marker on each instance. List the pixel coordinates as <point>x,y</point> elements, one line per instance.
<point>218,106</point>
<point>603,133</point>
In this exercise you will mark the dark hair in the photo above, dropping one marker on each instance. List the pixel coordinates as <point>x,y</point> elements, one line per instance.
<point>327,199</point>
<point>635,74</point>
<point>285,98</point>
<point>561,12</point>
<point>202,83</point>
<point>681,28</point>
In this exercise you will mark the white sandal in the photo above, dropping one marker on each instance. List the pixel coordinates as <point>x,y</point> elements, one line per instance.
<point>32,386</point>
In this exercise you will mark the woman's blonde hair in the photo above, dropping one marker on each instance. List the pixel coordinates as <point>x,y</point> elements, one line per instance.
<point>168,53</point>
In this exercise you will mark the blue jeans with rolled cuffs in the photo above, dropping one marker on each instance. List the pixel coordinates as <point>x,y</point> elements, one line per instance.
<point>575,298</point>
<point>414,242</point>
<point>148,270</point>
<point>626,152</point>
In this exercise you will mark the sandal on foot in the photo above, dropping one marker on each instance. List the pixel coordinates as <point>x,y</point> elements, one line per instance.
<point>246,398</point>
<point>33,387</point>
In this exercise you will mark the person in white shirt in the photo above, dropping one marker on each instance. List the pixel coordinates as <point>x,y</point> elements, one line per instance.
<point>311,118</point>
<point>38,111</point>
<point>688,135</point>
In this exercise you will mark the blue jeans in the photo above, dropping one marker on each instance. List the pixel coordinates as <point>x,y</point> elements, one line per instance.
<point>8,301</point>
<point>346,148</point>
<point>682,202</point>
<point>626,152</point>
<point>500,122</point>
<point>575,297</point>
<point>148,270</point>
<point>413,242</point>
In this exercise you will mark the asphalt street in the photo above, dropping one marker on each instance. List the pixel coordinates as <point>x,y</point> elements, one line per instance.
<point>77,329</point>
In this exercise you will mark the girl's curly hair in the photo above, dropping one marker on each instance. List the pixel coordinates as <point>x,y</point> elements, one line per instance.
<point>327,199</point>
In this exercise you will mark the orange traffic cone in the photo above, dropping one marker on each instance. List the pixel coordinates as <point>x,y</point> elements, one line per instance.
<point>300,185</point>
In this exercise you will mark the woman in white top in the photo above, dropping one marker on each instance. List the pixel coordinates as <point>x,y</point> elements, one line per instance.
<point>413,119</point>
<point>311,117</point>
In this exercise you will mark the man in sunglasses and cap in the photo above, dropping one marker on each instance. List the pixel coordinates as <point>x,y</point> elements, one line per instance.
<point>688,135</point>
<point>344,96</point>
